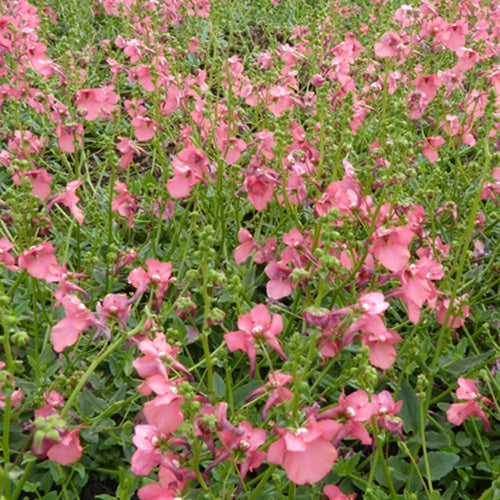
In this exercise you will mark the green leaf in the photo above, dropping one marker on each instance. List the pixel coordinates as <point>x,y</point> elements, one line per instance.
<point>462,440</point>
<point>105,496</point>
<point>219,385</point>
<point>448,494</point>
<point>410,411</point>
<point>243,392</point>
<point>436,440</point>
<point>440,464</point>
<point>464,365</point>
<point>90,404</point>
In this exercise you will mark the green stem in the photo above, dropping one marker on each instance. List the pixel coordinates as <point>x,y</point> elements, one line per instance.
<point>90,370</point>
<point>24,478</point>
<point>5,445</point>
<point>423,414</point>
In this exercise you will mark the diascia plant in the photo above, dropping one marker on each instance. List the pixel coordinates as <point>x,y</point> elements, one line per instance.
<point>249,249</point>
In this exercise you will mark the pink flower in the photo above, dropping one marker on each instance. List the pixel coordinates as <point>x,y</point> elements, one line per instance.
<point>458,412</point>
<point>41,263</point>
<point>5,256</point>
<point>279,100</point>
<point>128,149</point>
<point>389,45</point>
<point>150,443</point>
<point>67,135</point>
<point>458,313</point>
<point>254,328</point>
<point>114,308</point>
<point>351,412</point>
<point>40,182</point>
<point>417,287</point>
<point>158,276</point>
<point>280,284</point>
<point>259,184</point>
<point>160,358</point>
<point>390,246</point>
<point>78,319</point>
<point>124,203</point>
<point>164,412</point>
<point>95,103</point>
<point>144,128</point>
<point>344,195</point>
<point>306,454</point>
<point>68,450</point>
<point>189,167</point>
<point>428,86</point>
<point>276,389</point>
<point>385,412</point>
<point>69,199</point>
<point>333,492</point>
<point>246,247</point>
<point>242,446</point>
<point>429,147</point>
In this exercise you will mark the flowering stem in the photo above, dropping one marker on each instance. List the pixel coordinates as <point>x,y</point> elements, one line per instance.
<point>5,445</point>
<point>481,444</point>
<point>90,370</point>
<point>262,482</point>
<point>379,451</point>
<point>423,413</point>
<point>404,447</point>
<point>459,264</point>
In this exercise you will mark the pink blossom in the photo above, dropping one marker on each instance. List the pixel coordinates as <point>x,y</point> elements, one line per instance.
<point>389,45</point>
<point>158,276</point>
<point>458,313</point>
<point>114,308</point>
<point>68,450</point>
<point>246,247</point>
<point>97,103</point>
<point>306,454</point>
<point>278,100</point>
<point>5,256</point>
<point>276,390</point>
<point>128,150</point>
<point>190,165</point>
<point>390,246</point>
<point>259,184</point>
<point>429,147</point>
<point>385,412</point>
<point>164,412</point>
<point>467,59</point>
<point>68,135</point>
<point>160,358</point>
<point>144,128</point>
<point>242,446</point>
<point>280,284</point>
<point>458,412</point>
<point>428,86</point>
<point>254,328</point>
<point>40,182</point>
<point>69,199</point>
<point>345,195</point>
<point>351,411</point>
<point>124,203</point>
<point>333,492</point>
<point>150,443</point>
<point>78,319</point>
<point>416,285</point>
<point>41,263</point>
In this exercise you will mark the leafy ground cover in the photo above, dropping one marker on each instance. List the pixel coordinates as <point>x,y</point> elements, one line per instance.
<point>249,249</point>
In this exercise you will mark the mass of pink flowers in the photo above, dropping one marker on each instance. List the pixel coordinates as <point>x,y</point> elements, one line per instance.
<point>249,258</point>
